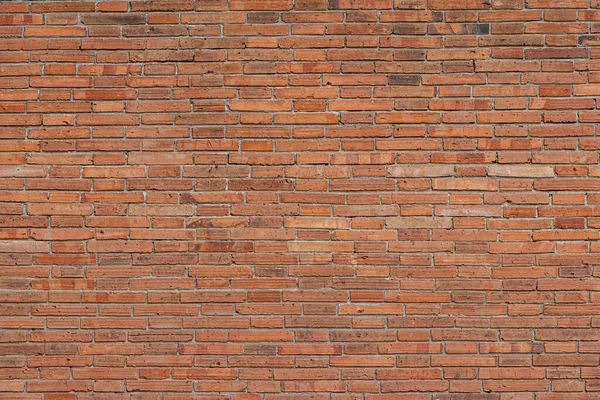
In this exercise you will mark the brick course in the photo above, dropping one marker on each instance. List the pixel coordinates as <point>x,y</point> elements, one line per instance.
<point>299,199</point>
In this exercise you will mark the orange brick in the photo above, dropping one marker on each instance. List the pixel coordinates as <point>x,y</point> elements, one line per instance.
<point>309,199</point>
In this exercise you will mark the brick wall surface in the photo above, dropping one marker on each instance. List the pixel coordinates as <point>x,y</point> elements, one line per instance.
<point>300,199</point>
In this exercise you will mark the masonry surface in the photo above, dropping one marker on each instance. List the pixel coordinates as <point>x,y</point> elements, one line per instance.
<point>300,200</point>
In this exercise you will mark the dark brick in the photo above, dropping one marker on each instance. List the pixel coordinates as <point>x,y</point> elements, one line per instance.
<point>402,80</point>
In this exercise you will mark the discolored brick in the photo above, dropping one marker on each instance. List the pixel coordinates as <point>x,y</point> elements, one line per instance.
<point>299,199</point>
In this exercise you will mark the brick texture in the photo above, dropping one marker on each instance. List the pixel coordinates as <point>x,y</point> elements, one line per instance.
<point>300,200</point>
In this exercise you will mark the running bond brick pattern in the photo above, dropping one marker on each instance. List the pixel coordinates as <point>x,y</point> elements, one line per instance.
<point>300,200</point>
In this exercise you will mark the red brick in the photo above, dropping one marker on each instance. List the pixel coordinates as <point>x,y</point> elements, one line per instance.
<point>309,199</point>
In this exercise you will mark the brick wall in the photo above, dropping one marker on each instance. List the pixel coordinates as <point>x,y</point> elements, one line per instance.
<point>299,199</point>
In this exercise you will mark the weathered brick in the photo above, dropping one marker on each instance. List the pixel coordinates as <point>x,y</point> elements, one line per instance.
<point>309,199</point>
<point>521,171</point>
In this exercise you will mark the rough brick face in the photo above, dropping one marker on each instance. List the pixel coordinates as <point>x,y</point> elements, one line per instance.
<point>299,199</point>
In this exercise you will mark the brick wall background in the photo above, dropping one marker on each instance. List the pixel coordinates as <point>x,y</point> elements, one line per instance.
<point>300,199</point>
